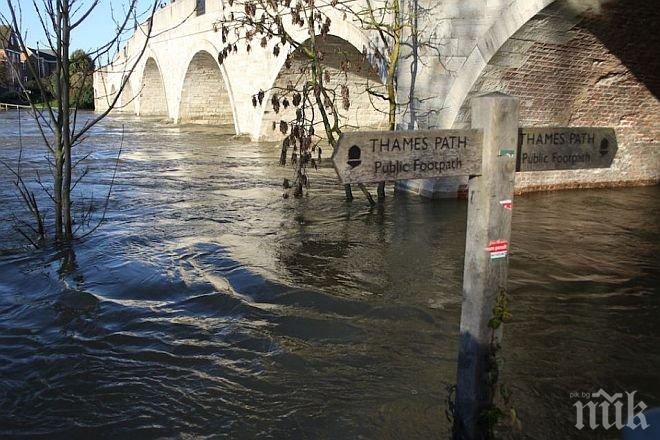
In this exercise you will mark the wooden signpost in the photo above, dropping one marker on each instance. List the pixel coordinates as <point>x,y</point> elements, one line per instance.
<point>380,156</point>
<point>545,149</point>
<point>490,153</point>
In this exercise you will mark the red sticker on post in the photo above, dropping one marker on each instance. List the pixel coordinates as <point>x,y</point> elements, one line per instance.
<point>507,204</point>
<point>498,246</point>
<point>498,249</point>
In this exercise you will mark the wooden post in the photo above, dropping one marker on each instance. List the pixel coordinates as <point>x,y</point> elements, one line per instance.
<point>486,257</point>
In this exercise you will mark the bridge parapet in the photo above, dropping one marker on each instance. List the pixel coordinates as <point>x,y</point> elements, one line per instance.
<point>175,13</point>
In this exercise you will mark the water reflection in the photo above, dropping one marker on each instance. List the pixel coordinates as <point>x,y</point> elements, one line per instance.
<point>210,306</point>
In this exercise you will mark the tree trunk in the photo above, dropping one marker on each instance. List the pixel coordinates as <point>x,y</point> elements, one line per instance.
<point>330,130</point>
<point>412,104</point>
<point>58,187</point>
<point>391,78</point>
<point>66,128</point>
<point>59,156</point>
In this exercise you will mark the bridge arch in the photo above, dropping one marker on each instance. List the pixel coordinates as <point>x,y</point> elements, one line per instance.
<point>153,98</point>
<point>126,103</point>
<point>113,93</point>
<point>205,93</point>
<point>571,65</point>
<point>365,111</point>
<point>511,20</point>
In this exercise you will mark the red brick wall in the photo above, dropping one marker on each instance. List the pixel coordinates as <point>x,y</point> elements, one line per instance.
<point>587,69</point>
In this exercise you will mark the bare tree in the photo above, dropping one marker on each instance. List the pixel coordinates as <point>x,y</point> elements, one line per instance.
<point>317,97</point>
<point>58,123</point>
<point>395,35</point>
<point>321,93</point>
<point>385,20</point>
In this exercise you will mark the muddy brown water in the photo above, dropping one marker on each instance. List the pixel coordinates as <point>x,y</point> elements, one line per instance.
<point>208,306</point>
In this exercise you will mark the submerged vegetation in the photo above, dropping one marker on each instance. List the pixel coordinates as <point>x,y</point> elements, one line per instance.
<point>55,106</point>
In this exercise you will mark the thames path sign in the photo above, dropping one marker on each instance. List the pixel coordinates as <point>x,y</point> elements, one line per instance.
<point>378,156</point>
<point>546,149</point>
<point>490,153</point>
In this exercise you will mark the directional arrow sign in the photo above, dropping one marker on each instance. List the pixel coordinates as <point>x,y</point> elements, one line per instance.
<point>546,149</point>
<point>379,156</point>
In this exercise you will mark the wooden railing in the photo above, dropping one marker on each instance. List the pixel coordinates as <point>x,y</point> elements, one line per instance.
<point>6,106</point>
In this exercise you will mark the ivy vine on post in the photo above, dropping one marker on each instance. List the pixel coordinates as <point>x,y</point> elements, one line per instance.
<point>502,411</point>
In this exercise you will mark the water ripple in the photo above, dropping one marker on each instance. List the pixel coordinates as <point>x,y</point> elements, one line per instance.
<point>208,306</point>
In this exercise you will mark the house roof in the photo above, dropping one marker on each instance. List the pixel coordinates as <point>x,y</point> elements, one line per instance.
<point>45,54</point>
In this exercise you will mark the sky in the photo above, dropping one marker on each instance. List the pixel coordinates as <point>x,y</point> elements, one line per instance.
<point>97,29</point>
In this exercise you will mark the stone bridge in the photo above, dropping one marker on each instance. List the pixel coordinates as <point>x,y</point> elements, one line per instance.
<point>561,58</point>
<point>180,78</point>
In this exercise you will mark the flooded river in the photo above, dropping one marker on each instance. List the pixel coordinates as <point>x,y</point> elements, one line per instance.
<point>208,306</point>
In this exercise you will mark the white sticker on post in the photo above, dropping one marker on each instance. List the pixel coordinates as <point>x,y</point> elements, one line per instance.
<point>498,249</point>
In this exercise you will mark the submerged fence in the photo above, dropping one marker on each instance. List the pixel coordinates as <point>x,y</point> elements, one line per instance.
<point>4,106</point>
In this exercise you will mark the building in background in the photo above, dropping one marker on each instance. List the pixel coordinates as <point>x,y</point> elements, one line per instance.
<point>44,61</point>
<point>11,60</point>
<point>21,69</point>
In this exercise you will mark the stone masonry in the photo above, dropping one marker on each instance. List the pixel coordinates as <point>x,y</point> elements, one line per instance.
<point>576,66</point>
<point>365,112</point>
<point>204,97</point>
<point>577,62</point>
<point>153,99</point>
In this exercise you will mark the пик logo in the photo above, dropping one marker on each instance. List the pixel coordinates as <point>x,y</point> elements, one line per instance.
<point>611,405</point>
